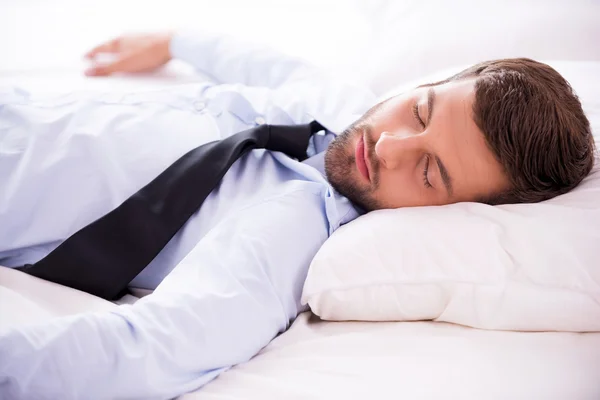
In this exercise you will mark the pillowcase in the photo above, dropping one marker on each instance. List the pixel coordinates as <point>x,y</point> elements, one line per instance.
<point>526,267</point>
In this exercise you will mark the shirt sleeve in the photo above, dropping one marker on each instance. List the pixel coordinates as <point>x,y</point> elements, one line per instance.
<point>235,291</point>
<point>302,90</point>
<point>229,59</point>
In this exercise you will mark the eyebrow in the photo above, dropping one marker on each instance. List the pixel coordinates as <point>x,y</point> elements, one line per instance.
<point>445,176</point>
<point>430,104</point>
<point>443,171</point>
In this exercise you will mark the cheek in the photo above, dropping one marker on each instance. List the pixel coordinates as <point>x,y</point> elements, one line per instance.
<point>389,115</point>
<point>393,119</point>
<point>396,187</point>
<point>404,190</point>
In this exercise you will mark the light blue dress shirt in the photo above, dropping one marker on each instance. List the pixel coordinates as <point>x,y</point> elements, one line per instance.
<point>232,277</point>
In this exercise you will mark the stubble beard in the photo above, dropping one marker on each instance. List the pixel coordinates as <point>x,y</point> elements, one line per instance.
<point>340,169</point>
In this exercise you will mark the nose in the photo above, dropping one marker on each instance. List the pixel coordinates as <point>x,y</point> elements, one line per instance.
<point>395,149</point>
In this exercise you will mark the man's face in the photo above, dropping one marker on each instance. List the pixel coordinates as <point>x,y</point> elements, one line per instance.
<point>420,148</point>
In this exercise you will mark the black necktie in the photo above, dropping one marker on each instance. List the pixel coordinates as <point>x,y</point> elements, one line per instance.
<point>103,257</point>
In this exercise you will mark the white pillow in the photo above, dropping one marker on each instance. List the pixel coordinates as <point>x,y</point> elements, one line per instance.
<point>529,267</point>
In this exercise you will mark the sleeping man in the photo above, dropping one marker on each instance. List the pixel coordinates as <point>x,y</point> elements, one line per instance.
<point>230,279</point>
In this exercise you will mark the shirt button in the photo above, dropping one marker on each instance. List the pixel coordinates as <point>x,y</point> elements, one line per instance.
<point>199,105</point>
<point>259,120</point>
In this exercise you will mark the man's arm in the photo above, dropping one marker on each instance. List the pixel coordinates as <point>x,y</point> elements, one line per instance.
<point>229,59</point>
<point>238,288</point>
<point>303,91</point>
<point>226,59</point>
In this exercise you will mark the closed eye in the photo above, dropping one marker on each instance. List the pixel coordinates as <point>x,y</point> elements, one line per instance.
<point>425,171</point>
<point>417,116</point>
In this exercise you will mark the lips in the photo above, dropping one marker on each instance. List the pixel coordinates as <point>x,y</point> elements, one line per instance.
<point>361,163</point>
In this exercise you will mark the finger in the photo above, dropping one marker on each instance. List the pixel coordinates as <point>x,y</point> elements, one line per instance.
<point>130,62</point>
<point>111,46</point>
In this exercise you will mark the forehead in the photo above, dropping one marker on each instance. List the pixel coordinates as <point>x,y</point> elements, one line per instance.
<point>454,137</point>
<point>461,144</point>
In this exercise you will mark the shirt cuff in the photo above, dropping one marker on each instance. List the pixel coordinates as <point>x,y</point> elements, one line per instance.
<point>179,45</point>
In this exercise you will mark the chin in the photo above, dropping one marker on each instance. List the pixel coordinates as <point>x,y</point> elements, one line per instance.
<point>341,171</point>
<point>349,186</point>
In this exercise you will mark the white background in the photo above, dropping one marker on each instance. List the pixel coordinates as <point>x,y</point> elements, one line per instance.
<point>381,42</point>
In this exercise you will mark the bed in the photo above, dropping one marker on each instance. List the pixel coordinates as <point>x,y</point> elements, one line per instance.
<point>415,360</point>
<point>317,359</point>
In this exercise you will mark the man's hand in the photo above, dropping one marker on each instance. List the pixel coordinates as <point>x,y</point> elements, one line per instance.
<point>131,53</point>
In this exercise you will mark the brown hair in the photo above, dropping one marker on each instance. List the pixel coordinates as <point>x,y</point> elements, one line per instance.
<point>534,124</point>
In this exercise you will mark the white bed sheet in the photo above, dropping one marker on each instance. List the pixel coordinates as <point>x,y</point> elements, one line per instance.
<point>413,360</point>
<point>357,360</point>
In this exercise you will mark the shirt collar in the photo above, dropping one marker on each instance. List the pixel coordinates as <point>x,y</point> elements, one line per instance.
<point>348,210</point>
